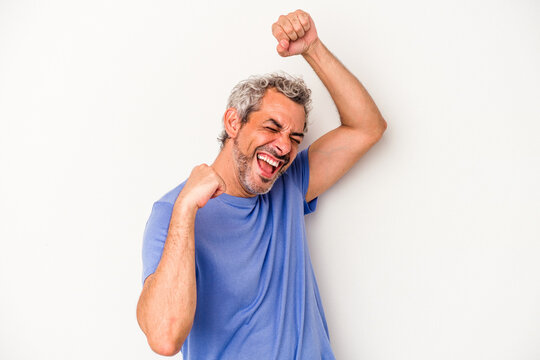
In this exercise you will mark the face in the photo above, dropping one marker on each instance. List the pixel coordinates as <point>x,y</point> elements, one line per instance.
<point>267,144</point>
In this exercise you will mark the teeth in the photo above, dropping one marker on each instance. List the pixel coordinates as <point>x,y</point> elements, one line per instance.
<point>268,160</point>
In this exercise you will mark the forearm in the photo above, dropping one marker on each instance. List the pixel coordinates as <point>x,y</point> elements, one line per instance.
<point>167,304</point>
<point>354,104</point>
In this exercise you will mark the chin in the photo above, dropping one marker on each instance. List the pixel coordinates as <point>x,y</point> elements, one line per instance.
<point>253,178</point>
<point>260,187</point>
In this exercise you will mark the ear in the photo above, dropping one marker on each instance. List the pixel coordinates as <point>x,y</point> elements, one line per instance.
<point>232,122</point>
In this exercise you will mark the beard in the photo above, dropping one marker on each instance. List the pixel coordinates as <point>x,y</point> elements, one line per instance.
<point>244,165</point>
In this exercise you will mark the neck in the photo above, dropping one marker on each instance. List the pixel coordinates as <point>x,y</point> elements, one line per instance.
<point>225,167</point>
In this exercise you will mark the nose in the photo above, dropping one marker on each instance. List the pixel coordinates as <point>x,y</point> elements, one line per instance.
<point>283,144</point>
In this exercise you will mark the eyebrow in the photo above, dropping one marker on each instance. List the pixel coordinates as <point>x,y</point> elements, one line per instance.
<point>279,126</point>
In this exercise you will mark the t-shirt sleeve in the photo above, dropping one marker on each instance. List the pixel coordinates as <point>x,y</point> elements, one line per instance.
<point>155,234</point>
<point>299,171</point>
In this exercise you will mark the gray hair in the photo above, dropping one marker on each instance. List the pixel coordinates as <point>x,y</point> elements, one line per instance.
<point>246,96</point>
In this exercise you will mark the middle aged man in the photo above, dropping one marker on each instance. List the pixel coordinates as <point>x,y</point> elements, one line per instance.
<point>227,273</point>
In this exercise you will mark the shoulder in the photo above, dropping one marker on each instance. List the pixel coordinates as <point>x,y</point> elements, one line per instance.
<point>170,197</point>
<point>298,172</point>
<point>298,176</point>
<point>297,166</point>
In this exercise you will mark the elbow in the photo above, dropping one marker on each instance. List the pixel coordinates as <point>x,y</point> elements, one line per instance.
<point>376,133</point>
<point>166,330</point>
<point>164,347</point>
<point>383,126</point>
<point>165,340</point>
<point>167,344</point>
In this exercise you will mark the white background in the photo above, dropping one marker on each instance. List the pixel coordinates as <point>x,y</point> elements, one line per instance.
<point>428,249</point>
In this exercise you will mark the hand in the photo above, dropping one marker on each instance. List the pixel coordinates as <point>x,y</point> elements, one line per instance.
<point>295,33</point>
<point>202,185</point>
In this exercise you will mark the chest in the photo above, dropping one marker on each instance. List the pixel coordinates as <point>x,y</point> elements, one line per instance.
<point>243,252</point>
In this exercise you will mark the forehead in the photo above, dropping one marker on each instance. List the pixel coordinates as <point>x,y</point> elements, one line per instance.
<point>279,107</point>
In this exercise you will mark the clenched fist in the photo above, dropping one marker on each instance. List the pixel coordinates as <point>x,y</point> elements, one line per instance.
<point>295,33</point>
<point>202,185</point>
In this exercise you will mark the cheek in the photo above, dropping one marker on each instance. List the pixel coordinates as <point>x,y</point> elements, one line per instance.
<point>263,139</point>
<point>248,144</point>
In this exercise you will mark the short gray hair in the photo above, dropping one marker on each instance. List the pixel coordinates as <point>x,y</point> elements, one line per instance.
<point>246,96</point>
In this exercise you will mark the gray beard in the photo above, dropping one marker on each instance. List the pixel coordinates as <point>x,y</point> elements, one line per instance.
<point>243,168</point>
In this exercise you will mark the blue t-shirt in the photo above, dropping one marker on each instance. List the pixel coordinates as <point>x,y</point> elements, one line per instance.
<point>257,297</point>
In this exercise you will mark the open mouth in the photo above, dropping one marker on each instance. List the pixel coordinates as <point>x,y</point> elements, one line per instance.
<point>268,164</point>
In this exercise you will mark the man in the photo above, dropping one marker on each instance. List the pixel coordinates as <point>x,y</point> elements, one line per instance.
<point>227,274</point>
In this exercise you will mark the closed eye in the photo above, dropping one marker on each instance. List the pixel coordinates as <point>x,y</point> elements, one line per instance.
<point>295,140</point>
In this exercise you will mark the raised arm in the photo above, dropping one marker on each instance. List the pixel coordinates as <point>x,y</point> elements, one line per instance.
<point>166,307</point>
<point>362,125</point>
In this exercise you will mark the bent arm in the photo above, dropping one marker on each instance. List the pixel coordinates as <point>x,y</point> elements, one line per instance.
<point>166,307</point>
<point>167,304</point>
<point>362,125</point>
